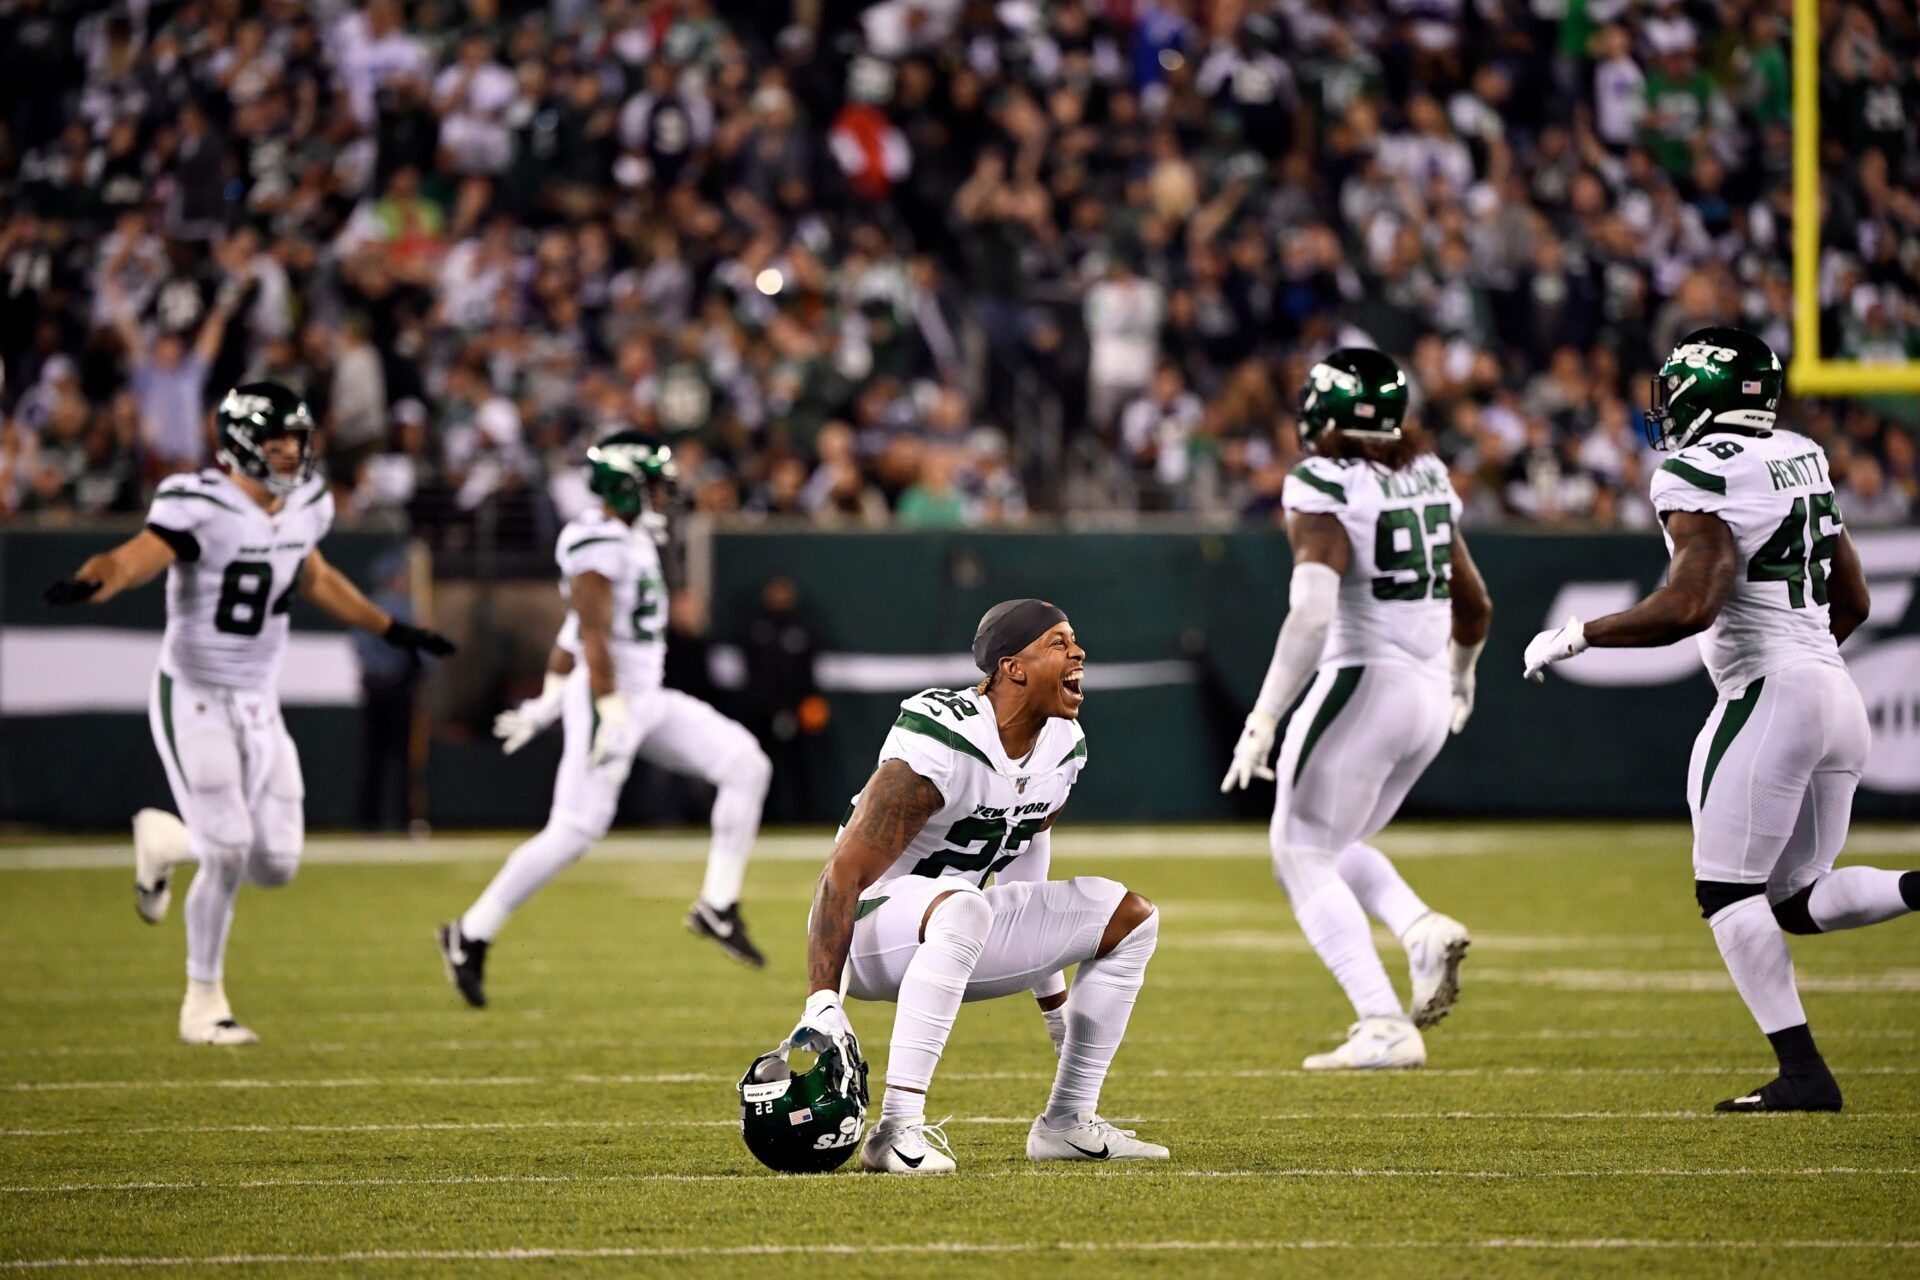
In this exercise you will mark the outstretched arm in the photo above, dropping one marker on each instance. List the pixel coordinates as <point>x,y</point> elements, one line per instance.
<point>1705,560</point>
<point>889,813</point>
<point>134,563</point>
<point>335,595</point>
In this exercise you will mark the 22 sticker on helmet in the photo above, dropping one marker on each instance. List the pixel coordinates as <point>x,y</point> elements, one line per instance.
<point>807,1121</point>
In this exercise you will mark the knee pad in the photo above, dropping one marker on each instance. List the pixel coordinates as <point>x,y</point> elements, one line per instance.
<point>1715,896</point>
<point>965,916</point>
<point>1796,913</point>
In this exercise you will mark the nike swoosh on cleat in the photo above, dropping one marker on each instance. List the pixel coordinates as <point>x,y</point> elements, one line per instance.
<point>1103,1153</point>
<point>912,1162</point>
<point>719,927</point>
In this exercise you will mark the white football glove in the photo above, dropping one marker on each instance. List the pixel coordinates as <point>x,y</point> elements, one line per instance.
<point>613,736</point>
<point>517,726</point>
<point>1251,752</point>
<point>824,1015</point>
<point>1460,663</point>
<point>1550,647</point>
<point>1056,1020</point>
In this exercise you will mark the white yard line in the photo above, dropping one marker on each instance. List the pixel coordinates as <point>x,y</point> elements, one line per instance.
<point>539,1179</point>
<point>488,1126</point>
<point>1092,843</point>
<point>938,1247</point>
<point>694,1077</point>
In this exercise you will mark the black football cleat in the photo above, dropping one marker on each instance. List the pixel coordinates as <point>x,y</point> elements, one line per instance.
<point>466,961</point>
<point>727,929</point>
<point>1814,1091</point>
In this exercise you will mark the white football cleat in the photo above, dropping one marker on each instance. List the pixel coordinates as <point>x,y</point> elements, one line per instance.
<point>206,1018</point>
<point>1436,945</point>
<point>1374,1044</point>
<point>907,1146</point>
<point>1088,1138</point>
<point>159,841</point>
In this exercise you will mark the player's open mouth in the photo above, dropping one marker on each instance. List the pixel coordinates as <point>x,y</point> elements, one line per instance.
<point>1072,685</point>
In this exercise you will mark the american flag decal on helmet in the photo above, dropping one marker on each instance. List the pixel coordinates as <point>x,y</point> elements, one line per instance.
<point>1750,388</point>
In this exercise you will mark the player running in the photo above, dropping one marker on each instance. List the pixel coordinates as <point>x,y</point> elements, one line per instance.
<point>968,786</point>
<point>1762,564</point>
<point>236,544</point>
<point>604,681</point>
<point>1381,579</point>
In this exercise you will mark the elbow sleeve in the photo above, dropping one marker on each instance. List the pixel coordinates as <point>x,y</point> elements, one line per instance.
<point>1314,594</point>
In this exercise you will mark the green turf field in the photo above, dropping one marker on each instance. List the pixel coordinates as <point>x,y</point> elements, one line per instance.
<point>585,1124</point>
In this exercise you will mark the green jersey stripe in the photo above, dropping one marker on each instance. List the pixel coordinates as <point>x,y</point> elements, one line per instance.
<point>1079,751</point>
<point>1695,476</point>
<point>1732,721</point>
<point>166,722</point>
<point>587,542</point>
<point>1327,487</point>
<point>1344,682</point>
<point>188,493</point>
<point>866,907</point>
<point>914,722</point>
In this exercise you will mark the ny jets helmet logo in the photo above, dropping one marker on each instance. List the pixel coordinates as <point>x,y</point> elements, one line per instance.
<point>1327,378</point>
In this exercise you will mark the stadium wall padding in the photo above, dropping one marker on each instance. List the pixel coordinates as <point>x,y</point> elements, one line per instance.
<point>1178,626</point>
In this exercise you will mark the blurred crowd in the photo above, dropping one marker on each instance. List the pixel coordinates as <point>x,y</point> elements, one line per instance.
<point>927,262</point>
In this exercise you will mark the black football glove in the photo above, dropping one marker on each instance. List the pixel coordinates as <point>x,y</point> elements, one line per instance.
<point>417,640</point>
<point>69,591</point>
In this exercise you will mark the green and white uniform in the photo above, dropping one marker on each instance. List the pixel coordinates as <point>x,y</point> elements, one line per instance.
<point>991,822</point>
<point>1774,770</point>
<point>671,729</point>
<point>1376,713</point>
<point>215,707</point>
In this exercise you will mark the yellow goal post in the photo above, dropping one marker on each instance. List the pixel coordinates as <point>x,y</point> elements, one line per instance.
<point>1810,373</point>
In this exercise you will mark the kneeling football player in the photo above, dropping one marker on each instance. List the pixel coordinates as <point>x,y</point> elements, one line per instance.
<point>968,786</point>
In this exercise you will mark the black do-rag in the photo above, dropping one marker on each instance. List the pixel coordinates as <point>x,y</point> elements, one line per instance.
<point>1009,627</point>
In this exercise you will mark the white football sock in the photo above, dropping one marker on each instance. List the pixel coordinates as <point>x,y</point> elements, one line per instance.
<point>552,850</point>
<point>1755,949</point>
<point>209,913</point>
<point>1338,931</point>
<point>1853,897</point>
<point>1097,1011</point>
<point>736,821</point>
<point>1377,884</point>
<point>930,993</point>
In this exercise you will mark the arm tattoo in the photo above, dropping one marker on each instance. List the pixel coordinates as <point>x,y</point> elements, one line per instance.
<point>889,814</point>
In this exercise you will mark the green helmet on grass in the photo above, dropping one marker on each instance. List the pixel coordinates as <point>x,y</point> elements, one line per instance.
<point>621,467</point>
<point>807,1121</point>
<point>1356,391</point>
<point>252,414</point>
<point>1716,377</point>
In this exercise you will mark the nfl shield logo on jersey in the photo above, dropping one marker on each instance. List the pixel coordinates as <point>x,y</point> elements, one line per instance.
<point>1020,785</point>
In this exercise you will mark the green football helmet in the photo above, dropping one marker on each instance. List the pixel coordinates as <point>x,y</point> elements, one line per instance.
<point>807,1121</point>
<point>1355,391</point>
<point>252,414</point>
<point>1716,377</point>
<point>621,467</point>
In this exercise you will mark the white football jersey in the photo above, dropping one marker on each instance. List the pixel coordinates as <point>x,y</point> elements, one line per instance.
<point>229,590</point>
<point>992,806</point>
<point>1395,596</point>
<point>625,555</point>
<point>1773,492</point>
